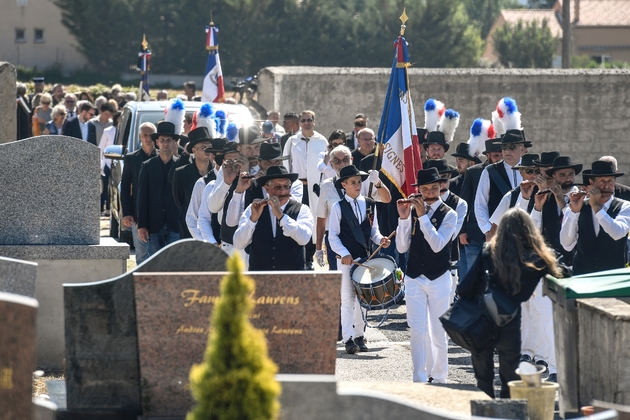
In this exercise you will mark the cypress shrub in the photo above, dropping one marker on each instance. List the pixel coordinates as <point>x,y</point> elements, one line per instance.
<point>236,378</point>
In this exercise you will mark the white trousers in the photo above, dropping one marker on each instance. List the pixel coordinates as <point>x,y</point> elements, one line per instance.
<point>352,324</point>
<point>230,250</point>
<point>537,339</point>
<point>426,302</point>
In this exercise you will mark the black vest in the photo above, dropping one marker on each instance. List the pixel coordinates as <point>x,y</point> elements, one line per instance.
<point>422,259</point>
<point>453,201</point>
<point>280,253</point>
<point>514,198</point>
<point>253,192</point>
<point>356,248</point>
<point>496,194</point>
<point>227,232</point>
<point>601,252</point>
<point>551,226</point>
<point>214,218</point>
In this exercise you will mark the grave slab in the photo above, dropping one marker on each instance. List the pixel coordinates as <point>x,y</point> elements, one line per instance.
<point>296,310</point>
<point>17,276</point>
<point>17,355</point>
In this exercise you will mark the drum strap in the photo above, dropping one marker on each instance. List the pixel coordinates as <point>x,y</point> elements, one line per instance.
<point>348,214</point>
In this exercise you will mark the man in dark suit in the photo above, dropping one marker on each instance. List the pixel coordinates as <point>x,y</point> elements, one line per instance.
<point>185,177</point>
<point>158,216</point>
<point>80,127</point>
<point>464,161</point>
<point>360,122</point>
<point>129,187</point>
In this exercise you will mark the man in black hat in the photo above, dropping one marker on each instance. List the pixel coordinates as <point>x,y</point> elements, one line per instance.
<point>471,238</point>
<point>209,221</point>
<point>275,229</point>
<point>158,216</point>
<point>351,245</point>
<point>248,189</point>
<point>621,191</point>
<point>514,197</point>
<point>129,182</point>
<point>185,177</point>
<point>33,98</point>
<point>196,199</point>
<point>425,228</point>
<point>497,179</point>
<point>435,145</point>
<point>464,161</point>
<point>597,230</point>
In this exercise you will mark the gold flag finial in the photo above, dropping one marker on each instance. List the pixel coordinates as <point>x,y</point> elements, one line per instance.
<point>145,44</point>
<point>403,18</point>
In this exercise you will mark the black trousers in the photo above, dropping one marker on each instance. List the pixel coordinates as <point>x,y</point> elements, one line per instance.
<point>310,246</point>
<point>508,345</point>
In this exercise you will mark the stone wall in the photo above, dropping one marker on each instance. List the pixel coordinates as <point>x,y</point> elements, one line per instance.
<point>581,113</point>
<point>8,113</point>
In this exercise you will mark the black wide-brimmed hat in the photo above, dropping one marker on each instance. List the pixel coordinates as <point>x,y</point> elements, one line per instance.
<point>440,164</point>
<point>463,151</point>
<point>217,146</point>
<point>348,172</point>
<point>527,161</point>
<point>276,172</point>
<point>513,137</point>
<point>436,137</point>
<point>165,128</point>
<point>250,135</point>
<point>492,146</point>
<point>428,176</point>
<point>196,136</point>
<point>547,158</point>
<point>230,147</point>
<point>564,162</point>
<point>271,151</point>
<point>601,168</point>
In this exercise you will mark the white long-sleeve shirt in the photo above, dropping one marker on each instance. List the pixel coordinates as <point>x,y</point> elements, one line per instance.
<point>461,210</point>
<point>334,225</point>
<point>617,228</point>
<point>483,195</point>
<point>204,220</point>
<point>537,215</point>
<point>192,213</point>
<point>437,238</point>
<point>299,230</point>
<point>325,168</point>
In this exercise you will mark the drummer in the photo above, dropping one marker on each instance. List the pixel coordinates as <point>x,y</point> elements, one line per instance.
<point>425,228</point>
<point>351,245</point>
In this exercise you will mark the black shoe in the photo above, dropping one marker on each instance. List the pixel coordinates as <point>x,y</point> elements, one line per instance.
<point>526,358</point>
<point>430,379</point>
<point>351,347</point>
<point>553,377</point>
<point>309,266</point>
<point>360,341</point>
<point>541,362</point>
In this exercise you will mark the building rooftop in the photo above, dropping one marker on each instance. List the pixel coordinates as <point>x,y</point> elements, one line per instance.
<point>512,16</point>
<point>598,12</point>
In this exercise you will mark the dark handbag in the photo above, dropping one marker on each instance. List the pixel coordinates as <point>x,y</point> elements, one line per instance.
<point>468,326</point>
<point>499,307</point>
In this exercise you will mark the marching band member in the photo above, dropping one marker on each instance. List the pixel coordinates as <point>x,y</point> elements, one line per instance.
<point>426,228</point>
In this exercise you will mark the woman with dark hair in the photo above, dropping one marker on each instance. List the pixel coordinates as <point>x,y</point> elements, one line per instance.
<point>85,96</point>
<point>516,259</point>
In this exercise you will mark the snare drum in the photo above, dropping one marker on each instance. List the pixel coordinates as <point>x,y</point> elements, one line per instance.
<point>378,288</point>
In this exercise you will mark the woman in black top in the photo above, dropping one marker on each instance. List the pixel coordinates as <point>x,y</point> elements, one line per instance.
<point>516,259</point>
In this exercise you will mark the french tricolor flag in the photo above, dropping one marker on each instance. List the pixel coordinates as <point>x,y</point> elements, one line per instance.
<point>397,130</point>
<point>213,90</point>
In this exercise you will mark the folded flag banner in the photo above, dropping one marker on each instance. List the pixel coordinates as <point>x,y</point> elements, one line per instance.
<point>397,130</point>
<point>144,65</point>
<point>213,90</point>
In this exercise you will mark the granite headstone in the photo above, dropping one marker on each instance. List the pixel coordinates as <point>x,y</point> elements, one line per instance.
<point>298,312</point>
<point>500,408</point>
<point>102,368</point>
<point>50,192</point>
<point>17,276</point>
<point>17,355</point>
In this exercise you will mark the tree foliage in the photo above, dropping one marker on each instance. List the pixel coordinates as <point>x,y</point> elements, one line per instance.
<point>525,45</point>
<point>541,4</point>
<point>485,12</point>
<point>259,33</point>
<point>236,378</point>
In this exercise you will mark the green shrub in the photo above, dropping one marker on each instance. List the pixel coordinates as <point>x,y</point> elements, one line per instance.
<point>236,379</point>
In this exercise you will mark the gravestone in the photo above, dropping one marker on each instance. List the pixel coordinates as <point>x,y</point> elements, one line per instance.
<point>102,368</point>
<point>500,408</point>
<point>8,115</point>
<point>50,215</point>
<point>298,312</point>
<point>17,276</point>
<point>17,355</point>
<point>50,192</point>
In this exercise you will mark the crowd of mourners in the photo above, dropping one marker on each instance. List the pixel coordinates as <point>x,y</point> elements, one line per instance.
<point>285,197</point>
